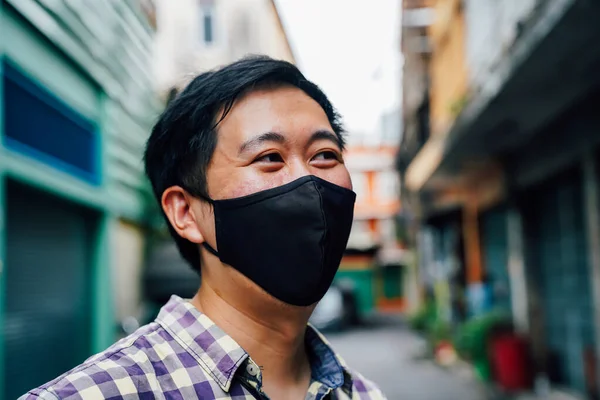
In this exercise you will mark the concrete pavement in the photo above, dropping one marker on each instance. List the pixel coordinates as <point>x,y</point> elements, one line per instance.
<point>386,352</point>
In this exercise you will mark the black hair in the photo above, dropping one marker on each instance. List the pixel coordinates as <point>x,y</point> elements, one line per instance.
<point>183,140</point>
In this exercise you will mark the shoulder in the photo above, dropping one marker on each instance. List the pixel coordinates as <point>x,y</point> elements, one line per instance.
<point>363,388</point>
<point>131,366</point>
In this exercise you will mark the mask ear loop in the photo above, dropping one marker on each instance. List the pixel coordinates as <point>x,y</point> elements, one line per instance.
<point>205,244</point>
<point>210,249</point>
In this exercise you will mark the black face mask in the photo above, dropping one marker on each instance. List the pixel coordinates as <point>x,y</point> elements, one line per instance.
<point>289,240</point>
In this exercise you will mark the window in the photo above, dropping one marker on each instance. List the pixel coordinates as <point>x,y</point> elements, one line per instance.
<point>207,12</point>
<point>57,135</point>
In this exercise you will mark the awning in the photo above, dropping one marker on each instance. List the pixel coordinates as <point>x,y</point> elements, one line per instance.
<point>551,65</point>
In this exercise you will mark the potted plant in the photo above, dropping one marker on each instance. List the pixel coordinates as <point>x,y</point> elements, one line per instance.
<point>472,339</point>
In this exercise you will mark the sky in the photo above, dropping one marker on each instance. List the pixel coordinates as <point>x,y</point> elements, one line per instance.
<point>350,49</point>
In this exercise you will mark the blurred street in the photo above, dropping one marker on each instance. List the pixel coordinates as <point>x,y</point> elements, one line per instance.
<point>472,144</point>
<point>387,352</point>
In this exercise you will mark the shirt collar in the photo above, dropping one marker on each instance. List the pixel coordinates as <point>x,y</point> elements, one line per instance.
<point>327,366</point>
<point>216,352</point>
<point>220,356</point>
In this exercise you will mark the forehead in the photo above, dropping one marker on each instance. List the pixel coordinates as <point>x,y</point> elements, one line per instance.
<point>287,110</point>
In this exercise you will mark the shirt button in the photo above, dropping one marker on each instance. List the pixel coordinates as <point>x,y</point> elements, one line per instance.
<point>252,369</point>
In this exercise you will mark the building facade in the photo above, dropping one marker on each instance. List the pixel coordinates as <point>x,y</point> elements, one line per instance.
<point>76,105</point>
<point>505,177</point>
<point>198,35</point>
<point>374,260</point>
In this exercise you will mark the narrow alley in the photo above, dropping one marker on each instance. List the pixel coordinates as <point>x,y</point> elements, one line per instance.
<point>388,353</point>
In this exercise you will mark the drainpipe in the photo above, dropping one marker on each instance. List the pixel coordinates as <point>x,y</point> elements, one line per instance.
<point>476,291</point>
<point>472,241</point>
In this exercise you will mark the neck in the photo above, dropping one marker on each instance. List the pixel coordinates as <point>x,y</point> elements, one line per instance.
<point>273,337</point>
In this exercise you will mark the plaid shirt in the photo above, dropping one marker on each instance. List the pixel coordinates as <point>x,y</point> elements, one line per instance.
<point>184,355</point>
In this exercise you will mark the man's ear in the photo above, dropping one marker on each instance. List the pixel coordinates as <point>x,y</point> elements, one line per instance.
<point>176,203</point>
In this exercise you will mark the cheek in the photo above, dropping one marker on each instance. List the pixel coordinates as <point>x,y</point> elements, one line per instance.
<point>247,181</point>
<point>250,184</point>
<point>242,189</point>
<point>339,176</point>
<point>231,183</point>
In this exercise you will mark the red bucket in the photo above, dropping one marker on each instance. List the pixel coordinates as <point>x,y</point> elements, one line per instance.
<point>511,362</point>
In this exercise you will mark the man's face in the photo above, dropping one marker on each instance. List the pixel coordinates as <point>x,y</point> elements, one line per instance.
<point>270,137</point>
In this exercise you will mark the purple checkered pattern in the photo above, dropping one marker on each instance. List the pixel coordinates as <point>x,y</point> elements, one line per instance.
<point>184,355</point>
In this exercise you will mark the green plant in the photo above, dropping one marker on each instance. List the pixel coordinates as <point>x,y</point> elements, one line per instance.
<point>424,318</point>
<point>471,339</point>
<point>439,331</point>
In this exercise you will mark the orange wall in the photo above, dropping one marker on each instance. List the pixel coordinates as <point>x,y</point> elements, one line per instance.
<point>372,201</point>
<point>448,63</point>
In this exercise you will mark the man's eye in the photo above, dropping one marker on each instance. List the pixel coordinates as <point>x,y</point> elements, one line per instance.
<point>270,158</point>
<point>326,155</point>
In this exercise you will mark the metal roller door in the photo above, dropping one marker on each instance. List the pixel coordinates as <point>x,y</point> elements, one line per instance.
<point>47,314</point>
<point>558,262</point>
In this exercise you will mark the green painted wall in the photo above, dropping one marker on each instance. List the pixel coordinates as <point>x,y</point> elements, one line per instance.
<point>92,92</point>
<point>2,201</point>
<point>31,54</point>
<point>28,49</point>
<point>103,332</point>
<point>126,185</point>
<point>103,327</point>
<point>114,85</point>
<point>393,284</point>
<point>108,80</point>
<point>363,282</point>
<point>2,258</point>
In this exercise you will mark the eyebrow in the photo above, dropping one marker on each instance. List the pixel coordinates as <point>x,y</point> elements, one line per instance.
<point>324,135</point>
<point>260,139</point>
<point>279,138</point>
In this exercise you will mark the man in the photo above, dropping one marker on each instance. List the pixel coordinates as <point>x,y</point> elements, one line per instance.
<point>247,165</point>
